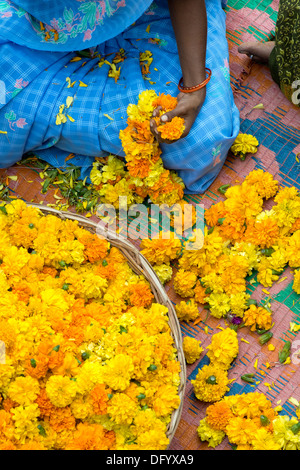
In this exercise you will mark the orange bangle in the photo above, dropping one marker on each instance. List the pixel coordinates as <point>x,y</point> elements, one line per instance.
<point>190,89</point>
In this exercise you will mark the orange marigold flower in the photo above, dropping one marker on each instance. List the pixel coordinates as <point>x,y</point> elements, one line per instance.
<point>62,418</point>
<point>141,295</point>
<point>7,444</point>
<point>45,406</point>
<point>107,272</point>
<point>233,226</point>
<point>49,271</point>
<point>214,213</point>
<point>172,130</point>
<point>8,404</point>
<point>167,102</point>
<point>263,233</point>
<point>99,395</point>
<point>257,317</point>
<point>91,437</point>
<point>37,367</point>
<point>95,248</point>
<point>32,445</point>
<point>56,358</point>
<point>139,168</point>
<point>200,295</point>
<point>23,291</point>
<point>218,415</point>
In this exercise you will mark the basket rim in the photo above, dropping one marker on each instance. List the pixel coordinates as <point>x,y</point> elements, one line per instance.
<point>140,263</point>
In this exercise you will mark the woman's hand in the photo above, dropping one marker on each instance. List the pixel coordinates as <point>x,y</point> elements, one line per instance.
<point>189,22</point>
<point>188,107</point>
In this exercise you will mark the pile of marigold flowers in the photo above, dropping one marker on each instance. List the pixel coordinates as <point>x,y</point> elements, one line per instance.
<point>241,239</point>
<point>142,174</point>
<point>250,423</point>
<point>89,357</point>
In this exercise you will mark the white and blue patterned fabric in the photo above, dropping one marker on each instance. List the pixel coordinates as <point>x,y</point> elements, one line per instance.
<point>34,84</point>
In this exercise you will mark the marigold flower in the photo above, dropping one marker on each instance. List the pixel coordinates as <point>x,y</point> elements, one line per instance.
<point>192,349</point>
<point>118,372</point>
<point>257,317</point>
<point>60,390</point>
<point>240,431</point>
<point>24,390</point>
<point>91,437</point>
<point>219,415</point>
<point>296,283</point>
<point>172,130</point>
<point>187,311</point>
<point>211,383</point>
<point>161,250</point>
<point>243,144</point>
<point>224,348</point>
<point>164,272</point>
<point>263,182</point>
<point>122,409</point>
<point>141,295</point>
<point>213,436</point>
<point>184,283</point>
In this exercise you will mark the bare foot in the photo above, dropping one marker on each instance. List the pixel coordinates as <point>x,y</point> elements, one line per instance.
<point>258,51</point>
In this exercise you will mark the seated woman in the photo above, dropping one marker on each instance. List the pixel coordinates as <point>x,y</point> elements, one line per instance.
<point>88,60</point>
<point>283,54</point>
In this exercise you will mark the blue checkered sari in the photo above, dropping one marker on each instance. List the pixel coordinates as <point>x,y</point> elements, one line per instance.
<point>36,72</point>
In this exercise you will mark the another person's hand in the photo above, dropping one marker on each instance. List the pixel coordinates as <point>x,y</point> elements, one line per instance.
<point>188,107</point>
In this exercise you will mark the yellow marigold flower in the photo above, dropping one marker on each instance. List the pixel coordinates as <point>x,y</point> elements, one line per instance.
<point>192,349</point>
<point>122,409</point>
<point>118,372</point>
<point>219,304</point>
<point>293,250</point>
<point>286,194</point>
<point>146,419</point>
<point>240,431</point>
<point>296,283</point>
<point>219,415</point>
<point>243,144</point>
<point>263,182</point>
<point>89,374</point>
<point>24,390</point>
<point>264,440</point>
<point>283,434</point>
<point>213,436</point>
<point>26,424</point>
<point>61,390</point>
<point>238,303</point>
<point>244,199</point>
<point>224,348</point>
<point>81,408</point>
<point>211,383</point>
<point>258,317</point>
<point>266,275</point>
<point>250,405</point>
<point>165,400</point>
<point>164,272</point>
<point>187,311</point>
<point>145,102</point>
<point>184,283</point>
<point>161,250</point>
<point>154,439</point>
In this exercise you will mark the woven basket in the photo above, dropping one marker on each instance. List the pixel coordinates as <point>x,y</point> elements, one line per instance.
<point>139,265</point>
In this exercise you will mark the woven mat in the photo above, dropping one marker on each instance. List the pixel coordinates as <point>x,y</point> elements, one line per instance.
<point>276,127</point>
